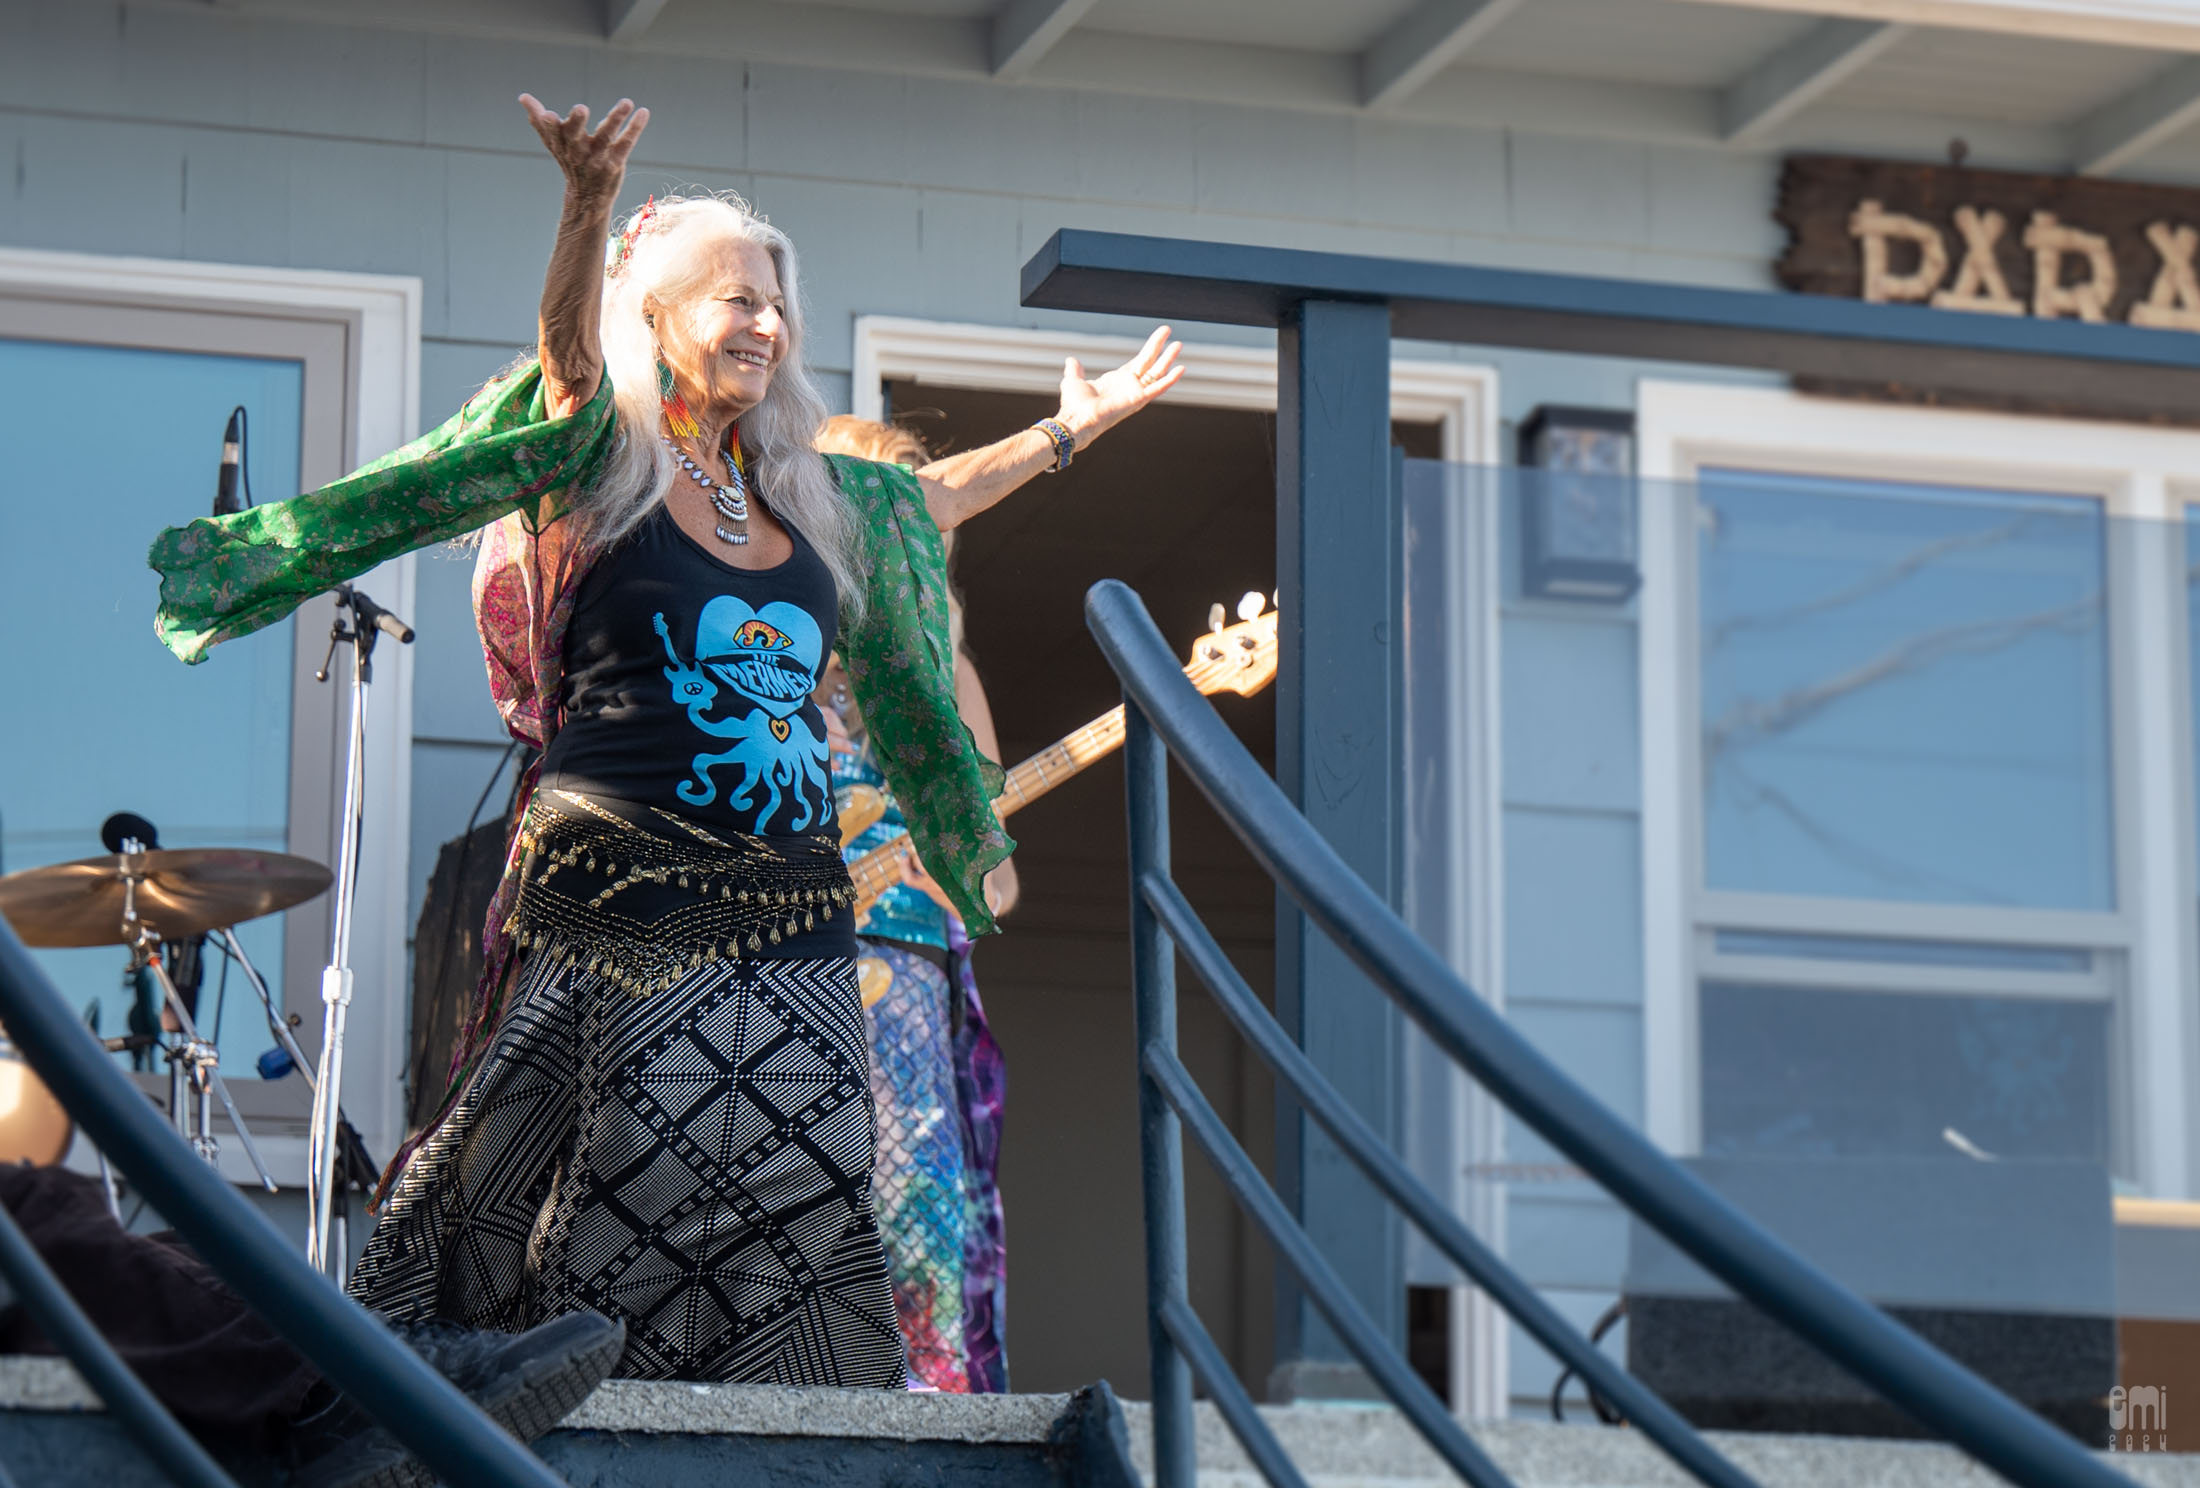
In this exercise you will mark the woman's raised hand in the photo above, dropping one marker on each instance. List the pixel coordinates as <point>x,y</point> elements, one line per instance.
<point>1091,407</point>
<point>960,486</point>
<point>594,161</point>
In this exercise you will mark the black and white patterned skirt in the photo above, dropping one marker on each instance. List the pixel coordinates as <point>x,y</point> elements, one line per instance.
<point>696,1161</point>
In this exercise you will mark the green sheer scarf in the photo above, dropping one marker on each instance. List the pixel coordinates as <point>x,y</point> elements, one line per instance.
<point>503,455</point>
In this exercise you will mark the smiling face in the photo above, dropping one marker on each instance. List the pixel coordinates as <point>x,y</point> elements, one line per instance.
<point>724,344</point>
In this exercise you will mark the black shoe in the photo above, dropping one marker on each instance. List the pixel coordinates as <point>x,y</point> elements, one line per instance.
<point>527,1383</point>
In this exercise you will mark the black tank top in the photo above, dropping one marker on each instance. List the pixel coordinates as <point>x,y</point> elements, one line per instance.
<point>687,687</point>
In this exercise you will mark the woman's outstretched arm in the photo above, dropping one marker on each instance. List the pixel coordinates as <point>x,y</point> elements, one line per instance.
<point>594,163</point>
<point>960,486</point>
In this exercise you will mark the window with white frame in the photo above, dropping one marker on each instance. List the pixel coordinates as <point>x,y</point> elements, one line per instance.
<point>238,752</point>
<point>1917,784</point>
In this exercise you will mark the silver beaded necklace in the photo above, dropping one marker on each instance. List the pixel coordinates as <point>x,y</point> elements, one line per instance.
<point>731,502</point>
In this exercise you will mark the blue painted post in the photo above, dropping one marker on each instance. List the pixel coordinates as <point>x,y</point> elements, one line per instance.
<point>1160,1139</point>
<point>1336,554</point>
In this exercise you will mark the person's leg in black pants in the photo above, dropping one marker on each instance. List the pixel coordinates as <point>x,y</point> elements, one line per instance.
<point>198,1347</point>
<point>233,1382</point>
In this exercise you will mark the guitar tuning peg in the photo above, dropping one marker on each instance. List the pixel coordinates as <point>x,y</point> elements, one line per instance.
<point>1249,607</point>
<point>1214,617</point>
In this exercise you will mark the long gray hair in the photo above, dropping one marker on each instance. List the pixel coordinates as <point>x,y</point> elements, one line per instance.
<point>663,265</point>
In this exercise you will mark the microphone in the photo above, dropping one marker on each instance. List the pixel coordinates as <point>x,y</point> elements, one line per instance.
<point>232,493</point>
<point>123,826</point>
<point>370,612</point>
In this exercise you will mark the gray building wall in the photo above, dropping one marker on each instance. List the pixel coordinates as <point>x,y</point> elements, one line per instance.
<point>1573,927</point>
<point>188,132</point>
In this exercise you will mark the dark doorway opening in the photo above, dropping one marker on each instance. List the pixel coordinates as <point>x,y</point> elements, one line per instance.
<point>1179,503</point>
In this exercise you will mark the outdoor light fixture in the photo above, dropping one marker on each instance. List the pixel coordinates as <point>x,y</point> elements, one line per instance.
<point>1577,509</point>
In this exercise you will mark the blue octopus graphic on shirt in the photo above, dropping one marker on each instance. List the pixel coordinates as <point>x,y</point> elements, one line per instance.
<point>769,657</point>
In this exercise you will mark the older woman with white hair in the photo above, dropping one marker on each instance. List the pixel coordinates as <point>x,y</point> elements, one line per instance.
<point>661,1109</point>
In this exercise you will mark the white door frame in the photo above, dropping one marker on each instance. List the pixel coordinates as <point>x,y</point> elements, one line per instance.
<point>377,318</point>
<point>1461,399</point>
<point>2143,475</point>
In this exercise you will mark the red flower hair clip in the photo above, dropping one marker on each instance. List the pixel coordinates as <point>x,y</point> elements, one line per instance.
<point>621,247</point>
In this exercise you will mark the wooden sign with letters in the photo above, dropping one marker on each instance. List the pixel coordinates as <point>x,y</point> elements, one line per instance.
<point>1978,242</point>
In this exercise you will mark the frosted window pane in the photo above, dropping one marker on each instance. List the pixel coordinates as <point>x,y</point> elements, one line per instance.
<point>1904,692</point>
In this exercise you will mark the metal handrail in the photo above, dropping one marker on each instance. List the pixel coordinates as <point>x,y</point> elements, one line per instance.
<point>1198,1346</point>
<point>1319,1279</point>
<point>355,1353</point>
<point>1482,1265</point>
<point>1165,715</point>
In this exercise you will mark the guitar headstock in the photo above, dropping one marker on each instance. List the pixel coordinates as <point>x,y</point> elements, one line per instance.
<point>1238,658</point>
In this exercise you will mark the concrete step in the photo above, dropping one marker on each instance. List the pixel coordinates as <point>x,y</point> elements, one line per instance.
<point>1351,1445</point>
<point>636,1434</point>
<point>632,1434</point>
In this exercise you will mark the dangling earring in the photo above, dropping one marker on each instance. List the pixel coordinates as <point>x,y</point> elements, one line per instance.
<point>677,417</point>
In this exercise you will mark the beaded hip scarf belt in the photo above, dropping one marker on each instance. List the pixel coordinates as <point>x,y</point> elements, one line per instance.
<point>642,897</point>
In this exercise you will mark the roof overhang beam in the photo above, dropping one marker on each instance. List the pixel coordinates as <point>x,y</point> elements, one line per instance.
<point>2161,24</point>
<point>626,20</point>
<point>2119,132</point>
<point>1800,73</point>
<point>1423,42</point>
<point>1027,30</point>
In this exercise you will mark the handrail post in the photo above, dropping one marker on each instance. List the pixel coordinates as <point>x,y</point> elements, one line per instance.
<point>1160,1138</point>
<point>1337,552</point>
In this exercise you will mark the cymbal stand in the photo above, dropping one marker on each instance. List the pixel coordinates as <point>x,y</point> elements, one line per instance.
<point>194,1065</point>
<point>109,1185</point>
<point>359,621</point>
<point>196,1062</point>
<point>277,1024</point>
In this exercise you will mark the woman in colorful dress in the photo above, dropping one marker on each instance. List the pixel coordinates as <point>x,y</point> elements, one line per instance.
<point>661,1109</point>
<point>938,1078</point>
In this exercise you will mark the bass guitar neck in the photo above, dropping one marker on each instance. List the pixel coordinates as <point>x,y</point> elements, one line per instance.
<point>1238,658</point>
<point>882,867</point>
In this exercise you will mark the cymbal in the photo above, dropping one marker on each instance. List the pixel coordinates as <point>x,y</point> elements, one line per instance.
<point>180,892</point>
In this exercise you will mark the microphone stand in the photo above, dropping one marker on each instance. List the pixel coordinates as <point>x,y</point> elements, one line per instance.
<point>233,493</point>
<point>359,621</point>
<point>359,1161</point>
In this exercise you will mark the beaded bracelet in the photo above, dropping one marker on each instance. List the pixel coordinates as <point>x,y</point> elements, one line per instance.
<point>1065,443</point>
